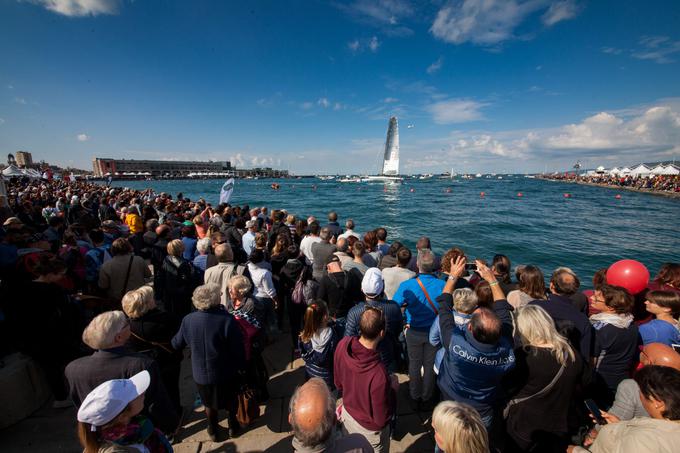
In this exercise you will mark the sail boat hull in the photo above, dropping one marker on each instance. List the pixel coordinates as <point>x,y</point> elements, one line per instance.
<point>383,179</point>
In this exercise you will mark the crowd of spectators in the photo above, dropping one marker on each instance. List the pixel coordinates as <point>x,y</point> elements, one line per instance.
<point>652,183</point>
<point>106,287</point>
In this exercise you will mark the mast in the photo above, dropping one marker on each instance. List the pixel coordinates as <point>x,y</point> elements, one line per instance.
<point>391,157</point>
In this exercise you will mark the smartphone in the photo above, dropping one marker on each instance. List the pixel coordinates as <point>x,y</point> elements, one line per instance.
<point>471,267</point>
<point>676,347</point>
<point>592,407</point>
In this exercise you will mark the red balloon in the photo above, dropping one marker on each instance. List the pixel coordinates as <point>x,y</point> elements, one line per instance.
<point>481,194</point>
<point>630,274</point>
<point>520,194</point>
<point>567,195</point>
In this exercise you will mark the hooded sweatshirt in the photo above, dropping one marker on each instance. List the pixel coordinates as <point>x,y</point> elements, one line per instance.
<point>365,385</point>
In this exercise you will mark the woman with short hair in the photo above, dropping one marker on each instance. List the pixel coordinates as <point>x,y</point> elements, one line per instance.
<point>531,287</point>
<point>616,338</point>
<point>152,330</point>
<point>458,428</point>
<point>176,280</point>
<point>217,355</point>
<point>541,385</point>
<point>665,327</point>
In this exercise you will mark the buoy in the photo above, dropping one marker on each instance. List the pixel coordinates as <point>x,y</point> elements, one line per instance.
<point>384,188</point>
<point>481,194</point>
<point>567,195</point>
<point>520,194</point>
<point>448,190</point>
<point>314,187</point>
<point>412,190</point>
<point>618,197</point>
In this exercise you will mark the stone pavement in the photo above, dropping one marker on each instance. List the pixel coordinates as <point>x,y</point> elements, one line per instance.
<point>53,430</point>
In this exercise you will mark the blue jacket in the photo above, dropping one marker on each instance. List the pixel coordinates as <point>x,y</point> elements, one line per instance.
<point>471,371</point>
<point>419,313</point>
<point>461,320</point>
<point>216,343</point>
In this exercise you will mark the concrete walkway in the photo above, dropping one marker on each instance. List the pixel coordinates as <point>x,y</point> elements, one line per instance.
<point>53,430</point>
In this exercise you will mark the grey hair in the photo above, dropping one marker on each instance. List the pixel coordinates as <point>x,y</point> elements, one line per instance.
<point>206,296</point>
<point>240,284</point>
<point>138,302</point>
<point>426,261</point>
<point>324,426</point>
<point>101,332</point>
<point>465,300</point>
<point>203,245</point>
<point>349,224</point>
<point>342,245</point>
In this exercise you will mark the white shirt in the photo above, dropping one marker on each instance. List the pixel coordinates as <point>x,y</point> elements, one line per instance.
<point>263,285</point>
<point>393,277</point>
<point>248,241</point>
<point>306,247</point>
<point>349,233</point>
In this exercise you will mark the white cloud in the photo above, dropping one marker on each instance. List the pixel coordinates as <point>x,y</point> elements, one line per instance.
<point>489,22</point>
<point>338,106</point>
<point>307,105</point>
<point>612,50</point>
<point>373,44</point>
<point>659,49</point>
<point>79,8</point>
<point>436,66</point>
<point>559,11</point>
<point>324,102</point>
<point>21,101</point>
<point>455,111</point>
<point>83,137</point>
<point>354,45</point>
<point>390,100</point>
<point>386,15</point>
<point>10,87</point>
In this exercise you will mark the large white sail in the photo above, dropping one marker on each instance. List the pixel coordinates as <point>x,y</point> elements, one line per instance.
<point>391,158</point>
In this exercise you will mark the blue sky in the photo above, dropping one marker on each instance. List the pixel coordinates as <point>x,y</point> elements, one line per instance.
<point>488,85</point>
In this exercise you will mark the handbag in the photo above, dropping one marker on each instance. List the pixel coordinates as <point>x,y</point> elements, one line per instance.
<point>248,408</point>
<point>543,391</point>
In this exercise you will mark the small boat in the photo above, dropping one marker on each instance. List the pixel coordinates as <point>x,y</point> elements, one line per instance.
<point>478,175</point>
<point>275,186</point>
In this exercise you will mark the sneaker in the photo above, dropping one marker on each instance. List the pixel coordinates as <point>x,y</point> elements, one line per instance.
<point>62,404</point>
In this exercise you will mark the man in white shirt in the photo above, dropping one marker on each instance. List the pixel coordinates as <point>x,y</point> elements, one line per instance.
<point>349,230</point>
<point>307,241</point>
<point>248,238</point>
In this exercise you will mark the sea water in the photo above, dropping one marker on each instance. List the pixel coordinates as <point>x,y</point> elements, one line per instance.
<point>587,231</point>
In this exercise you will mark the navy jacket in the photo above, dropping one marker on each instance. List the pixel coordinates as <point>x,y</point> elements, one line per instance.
<point>570,322</point>
<point>216,344</point>
<point>388,347</point>
<point>471,371</point>
<point>320,363</point>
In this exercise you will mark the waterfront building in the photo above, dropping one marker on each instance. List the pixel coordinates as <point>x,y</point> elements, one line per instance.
<point>156,168</point>
<point>24,159</point>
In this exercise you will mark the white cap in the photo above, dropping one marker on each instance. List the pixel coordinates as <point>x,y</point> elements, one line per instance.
<point>109,399</point>
<point>373,283</point>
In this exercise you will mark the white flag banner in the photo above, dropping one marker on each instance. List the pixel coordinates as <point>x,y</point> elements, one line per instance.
<point>227,190</point>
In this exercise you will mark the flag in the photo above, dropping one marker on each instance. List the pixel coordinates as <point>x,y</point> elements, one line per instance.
<point>227,189</point>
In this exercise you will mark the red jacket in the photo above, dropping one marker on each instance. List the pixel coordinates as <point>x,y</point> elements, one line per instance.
<point>365,385</point>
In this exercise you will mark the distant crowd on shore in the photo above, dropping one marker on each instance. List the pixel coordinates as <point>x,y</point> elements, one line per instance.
<point>105,288</point>
<point>653,183</point>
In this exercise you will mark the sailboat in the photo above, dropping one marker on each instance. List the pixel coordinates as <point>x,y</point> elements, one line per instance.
<point>390,168</point>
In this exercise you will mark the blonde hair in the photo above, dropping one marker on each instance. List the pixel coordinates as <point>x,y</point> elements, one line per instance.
<point>175,247</point>
<point>240,284</point>
<point>206,296</point>
<point>460,428</point>
<point>537,328</point>
<point>138,302</point>
<point>101,332</point>
<point>465,300</point>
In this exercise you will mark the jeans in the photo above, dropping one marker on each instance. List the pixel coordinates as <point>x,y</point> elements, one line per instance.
<point>421,354</point>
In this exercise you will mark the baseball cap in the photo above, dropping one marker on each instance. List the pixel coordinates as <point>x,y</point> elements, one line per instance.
<point>109,399</point>
<point>333,259</point>
<point>251,223</point>
<point>372,283</point>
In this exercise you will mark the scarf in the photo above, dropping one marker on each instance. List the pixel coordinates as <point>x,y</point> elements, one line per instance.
<point>140,430</point>
<point>600,320</point>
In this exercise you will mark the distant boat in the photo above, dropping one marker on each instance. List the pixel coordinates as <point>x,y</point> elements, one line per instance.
<point>390,167</point>
<point>478,175</point>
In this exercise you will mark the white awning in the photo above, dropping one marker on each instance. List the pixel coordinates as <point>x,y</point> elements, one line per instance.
<point>640,170</point>
<point>671,170</point>
<point>658,170</point>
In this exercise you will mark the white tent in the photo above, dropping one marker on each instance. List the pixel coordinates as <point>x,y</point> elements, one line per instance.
<point>600,169</point>
<point>614,171</point>
<point>640,170</point>
<point>658,170</point>
<point>12,171</point>
<point>671,170</point>
<point>625,171</point>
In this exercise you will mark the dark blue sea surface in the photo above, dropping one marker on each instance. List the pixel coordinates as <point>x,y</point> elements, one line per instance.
<point>586,232</point>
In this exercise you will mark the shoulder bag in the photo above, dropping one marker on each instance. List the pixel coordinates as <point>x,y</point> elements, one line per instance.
<point>427,296</point>
<point>541,392</point>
